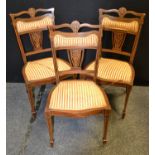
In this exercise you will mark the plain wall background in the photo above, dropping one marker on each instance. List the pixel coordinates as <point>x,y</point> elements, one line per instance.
<point>84,11</point>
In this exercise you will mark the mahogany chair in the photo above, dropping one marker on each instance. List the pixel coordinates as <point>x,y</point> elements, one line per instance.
<point>76,98</point>
<point>34,22</point>
<point>120,23</point>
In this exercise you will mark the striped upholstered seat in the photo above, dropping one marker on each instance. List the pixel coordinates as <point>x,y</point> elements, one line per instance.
<point>23,26</point>
<point>114,71</point>
<point>132,26</point>
<point>77,95</point>
<point>43,68</point>
<point>63,41</point>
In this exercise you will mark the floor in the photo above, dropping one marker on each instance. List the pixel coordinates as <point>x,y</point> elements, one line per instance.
<point>78,136</point>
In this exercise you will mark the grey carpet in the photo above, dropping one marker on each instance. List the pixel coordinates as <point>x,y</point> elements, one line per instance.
<point>78,136</point>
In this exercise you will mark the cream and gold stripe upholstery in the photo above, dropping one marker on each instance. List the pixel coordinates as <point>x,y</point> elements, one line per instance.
<point>77,95</point>
<point>23,26</point>
<point>43,68</point>
<point>132,26</point>
<point>63,41</point>
<point>114,70</point>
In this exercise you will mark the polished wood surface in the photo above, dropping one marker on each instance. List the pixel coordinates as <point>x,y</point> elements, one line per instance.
<point>118,39</point>
<point>36,37</point>
<point>75,70</point>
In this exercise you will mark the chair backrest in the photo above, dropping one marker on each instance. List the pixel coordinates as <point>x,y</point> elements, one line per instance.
<point>75,41</point>
<point>121,22</point>
<point>33,25</point>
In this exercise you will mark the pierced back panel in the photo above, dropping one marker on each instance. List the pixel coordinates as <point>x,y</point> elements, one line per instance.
<point>73,42</point>
<point>120,23</point>
<point>32,25</point>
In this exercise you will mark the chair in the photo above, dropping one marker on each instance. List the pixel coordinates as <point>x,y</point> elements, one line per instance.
<point>113,71</point>
<point>75,98</point>
<point>34,22</point>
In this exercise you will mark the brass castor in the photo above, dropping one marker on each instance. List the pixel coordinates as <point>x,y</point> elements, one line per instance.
<point>104,141</point>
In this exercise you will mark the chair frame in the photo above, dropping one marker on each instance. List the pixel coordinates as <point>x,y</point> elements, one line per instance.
<point>30,85</point>
<point>120,35</point>
<point>75,70</point>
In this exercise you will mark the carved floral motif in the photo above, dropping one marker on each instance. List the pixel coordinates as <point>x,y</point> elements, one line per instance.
<point>36,40</point>
<point>118,39</point>
<point>122,11</point>
<point>35,37</point>
<point>76,56</point>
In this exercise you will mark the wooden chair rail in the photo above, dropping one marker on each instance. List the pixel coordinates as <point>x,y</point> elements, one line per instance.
<point>118,30</point>
<point>116,51</point>
<point>38,51</point>
<point>76,71</point>
<point>122,12</point>
<point>31,11</point>
<point>66,25</point>
<point>73,34</point>
<point>74,48</point>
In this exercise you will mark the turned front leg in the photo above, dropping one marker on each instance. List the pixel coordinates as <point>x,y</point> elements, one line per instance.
<point>31,101</point>
<point>50,124</point>
<point>106,114</point>
<point>128,90</point>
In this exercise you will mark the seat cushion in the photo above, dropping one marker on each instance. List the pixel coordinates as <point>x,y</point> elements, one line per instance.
<point>114,71</point>
<point>63,41</point>
<point>43,68</point>
<point>132,26</point>
<point>77,95</point>
<point>23,26</point>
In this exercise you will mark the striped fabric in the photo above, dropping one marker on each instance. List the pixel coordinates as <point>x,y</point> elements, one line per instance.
<point>114,70</point>
<point>132,26</point>
<point>63,41</point>
<point>43,68</point>
<point>77,95</point>
<point>23,26</point>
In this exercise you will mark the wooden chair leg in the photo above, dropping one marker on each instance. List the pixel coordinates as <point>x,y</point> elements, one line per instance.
<point>39,97</point>
<point>128,90</point>
<point>106,120</point>
<point>31,101</point>
<point>50,124</point>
